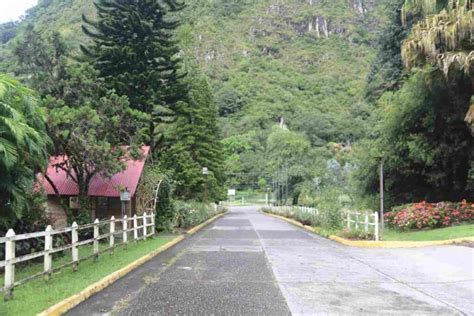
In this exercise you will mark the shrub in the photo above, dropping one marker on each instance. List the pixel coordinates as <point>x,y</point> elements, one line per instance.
<point>430,215</point>
<point>194,213</point>
<point>304,218</point>
<point>356,234</point>
<point>331,218</point>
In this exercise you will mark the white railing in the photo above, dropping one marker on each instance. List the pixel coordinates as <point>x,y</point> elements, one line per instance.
<point>366,220</point>
<point>353,219</point>
<point>305,209</point>
<point>146,229</point>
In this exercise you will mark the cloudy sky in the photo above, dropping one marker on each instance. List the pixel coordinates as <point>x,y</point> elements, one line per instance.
<point>11,10</point>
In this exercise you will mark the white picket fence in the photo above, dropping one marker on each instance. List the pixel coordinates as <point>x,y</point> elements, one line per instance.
<point>306,209</point>
<point>287,209</point>
<point>354,219</point>
<point>142,226</point>
<point>366,220</point>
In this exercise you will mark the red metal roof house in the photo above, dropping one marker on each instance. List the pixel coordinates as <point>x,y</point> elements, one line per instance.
<point>105,193</point>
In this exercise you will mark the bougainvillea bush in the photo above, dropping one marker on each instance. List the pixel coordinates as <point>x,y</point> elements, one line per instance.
<point>430,215</point>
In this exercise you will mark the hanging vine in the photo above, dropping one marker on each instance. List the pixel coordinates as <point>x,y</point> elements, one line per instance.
<point>444,36</point>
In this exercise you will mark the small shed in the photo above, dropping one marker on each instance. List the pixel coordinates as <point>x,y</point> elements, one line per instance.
<point>104,192</point>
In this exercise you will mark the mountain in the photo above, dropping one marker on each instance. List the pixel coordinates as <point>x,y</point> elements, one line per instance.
<point>305,61</point>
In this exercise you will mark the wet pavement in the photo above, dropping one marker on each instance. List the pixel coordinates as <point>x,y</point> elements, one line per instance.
<point>247,263</point>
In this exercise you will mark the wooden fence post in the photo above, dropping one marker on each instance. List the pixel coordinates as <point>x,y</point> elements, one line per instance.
<point>144,225</point>
<point>357,220</point>
<point>48,246</point>
<point>348,220</point>
<point>9,267</point>
<point>75,251</point>
<point>135,230</point>
<point>124,230</point>
<point>112,234</point>
<point>366,222</point>
<point>376,226</point>
<point>96,239</point>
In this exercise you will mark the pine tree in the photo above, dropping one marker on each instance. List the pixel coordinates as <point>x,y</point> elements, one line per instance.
<point>134,50</point>
<point>197,143</point>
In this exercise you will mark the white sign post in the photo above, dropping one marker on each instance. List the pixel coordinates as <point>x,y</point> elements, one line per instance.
<point>124,198</point>
<point>231,194</point>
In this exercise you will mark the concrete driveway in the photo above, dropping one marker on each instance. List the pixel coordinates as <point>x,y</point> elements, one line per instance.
<point>247,263</point>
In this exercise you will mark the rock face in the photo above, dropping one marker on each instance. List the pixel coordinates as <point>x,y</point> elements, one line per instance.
<point>311,17</point>
<point>278,21</point>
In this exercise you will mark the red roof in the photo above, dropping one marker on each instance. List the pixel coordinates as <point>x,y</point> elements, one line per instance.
<point>99,186</point>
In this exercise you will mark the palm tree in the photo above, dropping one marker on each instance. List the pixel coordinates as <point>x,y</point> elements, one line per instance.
<point>23,147</point>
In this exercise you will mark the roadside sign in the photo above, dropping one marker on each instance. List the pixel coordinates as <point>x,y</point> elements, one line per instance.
<point>124,196</point>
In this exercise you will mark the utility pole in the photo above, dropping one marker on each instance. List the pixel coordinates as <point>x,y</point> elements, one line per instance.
<point>286,184</point>
<point>380,159</point>
<point>381,195</point>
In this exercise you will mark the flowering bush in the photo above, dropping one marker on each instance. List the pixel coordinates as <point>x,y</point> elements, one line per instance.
<point>430,215</point>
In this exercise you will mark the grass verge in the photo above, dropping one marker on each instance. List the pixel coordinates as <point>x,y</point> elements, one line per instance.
<point>35,296</point>
<point>446,233</point>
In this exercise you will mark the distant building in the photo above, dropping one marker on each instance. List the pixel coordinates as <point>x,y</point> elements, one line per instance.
<point>104,192</point>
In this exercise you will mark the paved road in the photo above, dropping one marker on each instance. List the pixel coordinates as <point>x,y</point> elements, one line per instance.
<point>247,263</point>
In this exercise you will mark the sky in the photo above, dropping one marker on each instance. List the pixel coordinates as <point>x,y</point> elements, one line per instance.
<point>11,10</point>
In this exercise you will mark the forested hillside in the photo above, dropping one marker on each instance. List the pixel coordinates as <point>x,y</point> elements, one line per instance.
<point>310,94</point>
<point>303,61</point>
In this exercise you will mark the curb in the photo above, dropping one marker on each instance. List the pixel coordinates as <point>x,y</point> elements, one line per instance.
<point>398,244</point>
<point>200,226</point>
<point>74,300</point>
<point>378,244</point>
<point>293,222</point>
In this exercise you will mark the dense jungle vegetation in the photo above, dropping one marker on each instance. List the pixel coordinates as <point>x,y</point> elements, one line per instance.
<point>310,93</point>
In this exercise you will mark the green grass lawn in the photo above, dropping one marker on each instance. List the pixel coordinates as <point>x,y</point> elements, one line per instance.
<point>37,295</point>
<point>433,234</point>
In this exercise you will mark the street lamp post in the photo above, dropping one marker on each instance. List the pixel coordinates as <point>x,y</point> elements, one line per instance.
<point>205,172</point>
<point>267,197</point>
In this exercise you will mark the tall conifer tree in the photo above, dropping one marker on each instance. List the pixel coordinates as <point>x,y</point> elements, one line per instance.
<point>196,143</point>
<point>134,50</point>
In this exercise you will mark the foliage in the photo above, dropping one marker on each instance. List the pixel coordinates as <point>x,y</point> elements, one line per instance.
<point>422,134</point>
<point>134,51</point>
<point>165,210</point>
<point>23,149</point>
<point>8,31</point>
<point>326,219</point>
<point>430,215</point>
<point>356,234</point>
<point>87,122</point>
<point>229,101</point>
<point>41,61</point>
<point>443,37</point>
<point>196,144</point>
<point>87,130</point>
<point>386,72</point>
<point>263,60</point>
<point>194,213</point>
